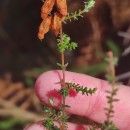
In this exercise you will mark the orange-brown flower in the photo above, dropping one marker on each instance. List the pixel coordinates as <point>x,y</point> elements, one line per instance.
<point>44,27</point>
<point>56,23</point>
<point>51,21</point>
<point>47,8</point>
<point>62,6</point>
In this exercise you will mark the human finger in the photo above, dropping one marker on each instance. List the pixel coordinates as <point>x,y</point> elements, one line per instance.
<point>93,106</point>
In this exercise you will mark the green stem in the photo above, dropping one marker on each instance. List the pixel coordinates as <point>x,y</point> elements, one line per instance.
<point>112,71</point>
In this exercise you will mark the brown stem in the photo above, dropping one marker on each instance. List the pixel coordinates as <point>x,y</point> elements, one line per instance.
<point>63,76</point>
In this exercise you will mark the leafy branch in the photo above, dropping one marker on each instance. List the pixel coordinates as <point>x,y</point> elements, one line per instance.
<point>82,89</point>
<point>50,125</point>
<point>108,126</point>
<point>74,16</point>
<point>112,61</point>
<point>66,44</point>
<point>54,115</point>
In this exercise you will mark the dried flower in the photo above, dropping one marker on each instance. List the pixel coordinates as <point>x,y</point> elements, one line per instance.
<point>51,21</point>
<point>44,27</point>
<point>56,23</point>
<point>62,6</point>
<point>47,8</point>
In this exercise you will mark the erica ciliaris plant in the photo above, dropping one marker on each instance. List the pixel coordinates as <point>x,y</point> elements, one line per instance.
<point>54,21</point>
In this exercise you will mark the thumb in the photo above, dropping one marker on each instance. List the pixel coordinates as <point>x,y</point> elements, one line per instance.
<point>93,106</point>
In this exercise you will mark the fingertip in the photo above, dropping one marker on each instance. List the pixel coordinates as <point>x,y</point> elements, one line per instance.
<point>48,85</point>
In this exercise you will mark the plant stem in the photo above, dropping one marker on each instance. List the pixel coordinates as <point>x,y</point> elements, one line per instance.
<point>112,71</point>
<point>63,76</point>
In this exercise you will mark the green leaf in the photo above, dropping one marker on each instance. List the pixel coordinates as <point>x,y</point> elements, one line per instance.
<point>115,61</point>
<point>60,65</point>
<point>65,118</point>
<point>64,92</point>
<point>64,106</point>
<point>109,77</point>
<point>108,126</point>
<point>91,4</point>
<point>55,128</point>
<point>113,47</point>
<point>47,110</point>
<point>48,123</point>
<point>51,101</point>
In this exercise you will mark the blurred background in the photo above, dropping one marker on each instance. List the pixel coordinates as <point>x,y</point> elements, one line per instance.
<point>23,57</point>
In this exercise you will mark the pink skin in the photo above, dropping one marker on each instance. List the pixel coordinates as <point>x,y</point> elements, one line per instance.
<point>39,126</point>
<point>92,107</point>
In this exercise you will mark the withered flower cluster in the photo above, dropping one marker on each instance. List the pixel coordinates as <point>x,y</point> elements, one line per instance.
<point>52,21</point>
